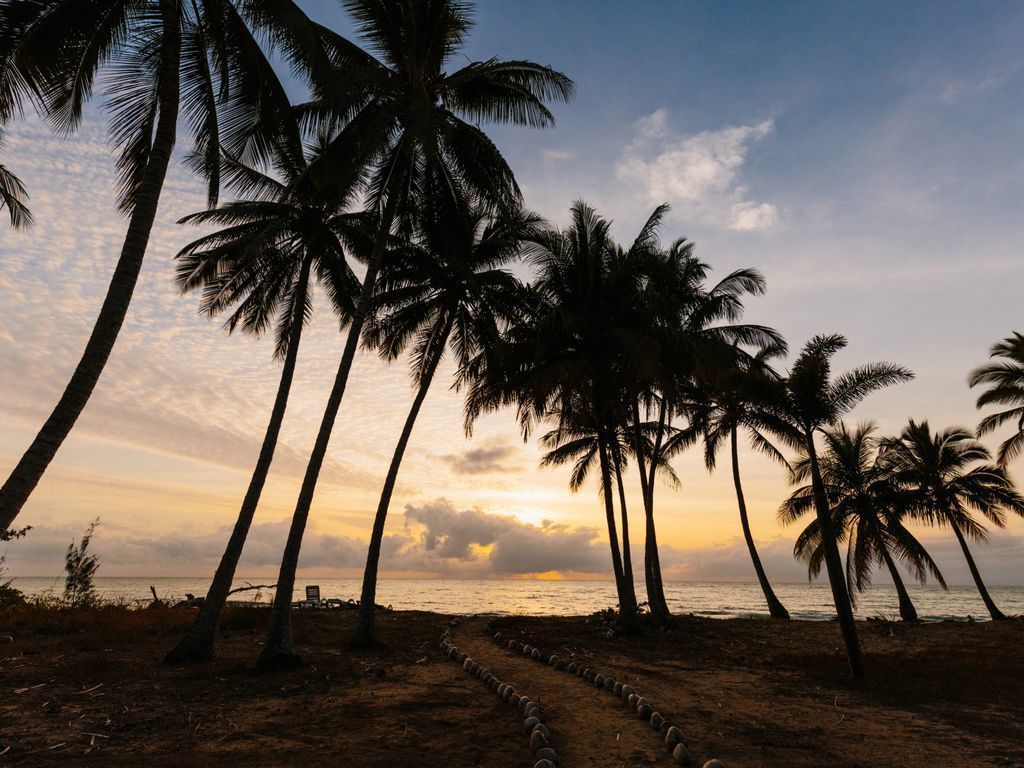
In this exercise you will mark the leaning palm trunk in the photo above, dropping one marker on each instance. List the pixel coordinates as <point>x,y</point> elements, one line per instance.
<point>197,645</point>
<point>627,597</point>
<point>29,471</point>
<point>365,630</point>
<point>993,609</point>
<point>834,566</point>
<point>279,649</point>
<point>907,610</point>
<point>775,607</point>
<point>656,601</point>
<point>627,557</point>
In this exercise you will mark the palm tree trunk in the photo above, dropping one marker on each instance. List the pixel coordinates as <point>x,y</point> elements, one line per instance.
<point>775,607</point>
<point>907,610</point>
<point>279,650</point>
<point>627,557</point>
<point>33,464</point>
<point>365,630</point>
<point>197,645</point>
<point>627,598</point>
<point>834,566</point>
<point>656,601</point>
<point>993,609</point>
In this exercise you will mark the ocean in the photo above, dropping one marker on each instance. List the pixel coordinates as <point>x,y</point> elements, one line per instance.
<point>562,598</point>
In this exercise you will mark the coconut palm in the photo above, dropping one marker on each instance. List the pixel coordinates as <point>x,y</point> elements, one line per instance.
<point>1005,382</point>
<point>868,508</point>
<point>258,267</point>
<point>408,123</point>
<point>951,479</point>
<point>810,401</point>
<point>13,196</point>
<point>733,399</point>
<point>157,58</point>
<point>450,291</point>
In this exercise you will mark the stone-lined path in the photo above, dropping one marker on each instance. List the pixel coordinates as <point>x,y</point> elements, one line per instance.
<point>589,727</point>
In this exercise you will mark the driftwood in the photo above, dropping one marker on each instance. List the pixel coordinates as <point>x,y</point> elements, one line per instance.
<point>250,587</point>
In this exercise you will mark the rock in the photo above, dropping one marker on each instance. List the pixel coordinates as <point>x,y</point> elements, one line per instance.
<point>617,690</point>
<point>541,728</point>
<point>642,702</point>
<point>644,711</point>
<point>656,720</point>
<point>571,667</point>
<point>511,645</point>
<point>714,764</point>
<point>533,711</point>
<point>535,653</point>
<point>663,728</point>
<point>547,753</point>
<point>632,700</point>
<point>514,700</point>
<point>497,637</point>
<point>599,680</point>
<point>584,672</point>
<point>544,764</point>
<point>467,664</point>
<point>553,659</point>
<point>559,666</point>
<point>673,736</point>
<point>524,702</point>
<point>527,649</point>
<point>538,740</point>
<point>453,654</point>
<point>626,691</point>
<point>682,755</point>
<point>609,684</point>
<point>529,722</point>
<point>461,657</point>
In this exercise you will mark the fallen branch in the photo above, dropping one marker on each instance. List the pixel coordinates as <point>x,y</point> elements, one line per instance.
<point>249,587</point>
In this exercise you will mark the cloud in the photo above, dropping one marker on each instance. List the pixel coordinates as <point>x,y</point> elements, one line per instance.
<point>698,173</point>
<point>483,460</point>
<point>557,155</point>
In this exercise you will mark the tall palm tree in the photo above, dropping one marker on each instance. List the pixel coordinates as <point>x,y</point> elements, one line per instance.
<point>809,401</point>
<point>13,196</point>
<point>727,401</point>
<point>259,267</point>
<point>450,291</point>
<point>1005,382</point>
<point>405,123</point>
<point>868,509</point>
<point>159,58</point>
<point>936,469</point>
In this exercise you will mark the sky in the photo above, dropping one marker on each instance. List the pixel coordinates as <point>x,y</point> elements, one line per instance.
<point>867,157</point>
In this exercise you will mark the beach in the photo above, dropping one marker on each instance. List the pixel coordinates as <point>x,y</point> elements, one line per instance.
<point>88,687</point>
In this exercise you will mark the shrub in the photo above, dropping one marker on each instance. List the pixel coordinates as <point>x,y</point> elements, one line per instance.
<point>80,569</point>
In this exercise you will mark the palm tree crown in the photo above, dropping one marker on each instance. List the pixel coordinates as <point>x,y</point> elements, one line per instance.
<point>1004,380</point>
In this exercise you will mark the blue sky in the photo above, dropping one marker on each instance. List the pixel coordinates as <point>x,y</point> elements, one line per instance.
<point>867,157</point>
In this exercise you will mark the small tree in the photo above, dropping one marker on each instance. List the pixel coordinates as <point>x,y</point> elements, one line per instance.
<point>81,568</point>
<point>9,595</point>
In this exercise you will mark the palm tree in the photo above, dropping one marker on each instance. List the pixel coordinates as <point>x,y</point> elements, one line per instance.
<point>404,124</point>
<point>161,57</point>
<point>13,196</point>
<point>809,401</point>
<point>1005,381</point>
<point>729,400</point>
<point>936,469</point>
<point>867,507</point>
<point>451,291</point>
<point>260,264</point>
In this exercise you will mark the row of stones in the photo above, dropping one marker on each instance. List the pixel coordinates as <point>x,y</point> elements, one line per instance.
<point>671,733</point>
<point>533,713</point>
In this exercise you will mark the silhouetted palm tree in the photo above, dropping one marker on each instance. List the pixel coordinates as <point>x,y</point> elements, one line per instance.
<point>1005,382</point>
<point>258,267</point>
<point>450,291</point>
<point>736,398</point>
<point>160,57</point>
<point>13,196</point>
<point>936,469</point>
<point>809,402</point>
<point>408,124</point>
<point>867,508</point>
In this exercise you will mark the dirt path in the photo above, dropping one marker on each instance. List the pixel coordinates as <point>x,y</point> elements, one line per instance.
<point>589,727</point>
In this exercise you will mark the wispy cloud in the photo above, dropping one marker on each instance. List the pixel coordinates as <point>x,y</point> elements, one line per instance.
<point>699,174</point>
<point>483,460</point>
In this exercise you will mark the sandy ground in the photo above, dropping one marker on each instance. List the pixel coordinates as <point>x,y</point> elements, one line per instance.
<point>88,688</point>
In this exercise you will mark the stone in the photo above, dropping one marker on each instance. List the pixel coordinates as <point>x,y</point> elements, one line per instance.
<point>497,637</point>
<point>467,664</point>
<point>511,645</point>
<point>571,667</point>
<point>544,764</point>
<point>626,691</point>
<point>514,700</point>
<point>453,654</point>
<point>559,666</point>
<point>663,728</point>
<point>547,753</point>
<point>644,711</point>
<point>540,727</point>
<point>632,700</point>
<point>553,659</point>
<point>533,710</point>
<point>462,656</point>
<point>599,680</point>
<point>673,736</point>
<point>656,720</point>
<point>640,702</point>
<point>617,690</point>
<point>682,755</point>
<point>524,702</point>
<point>529,722</point>
<point>538,740</point>
<point>527,649</point>
<point>714,764</point>
<point>609,684</point>
<point>535,654</point>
